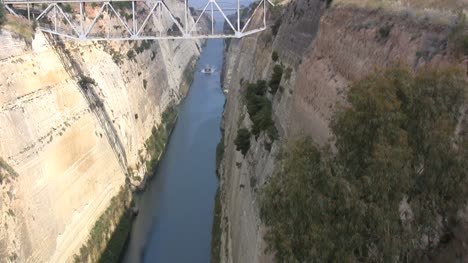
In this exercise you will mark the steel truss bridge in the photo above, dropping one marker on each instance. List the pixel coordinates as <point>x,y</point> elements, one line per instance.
<point>140,19</point>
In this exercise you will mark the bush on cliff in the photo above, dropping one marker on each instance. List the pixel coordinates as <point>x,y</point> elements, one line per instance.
<point>260,109</point>
<point>2,15</point>
<point>458,39</point>
<point>159,135</point>
<point>85,81</point>
<point>274,56</point>
<point>275,27</point>
<point>242,140</point>
<point>219,152</point>
<point>131,54</point>
<point>67,8</point>
<point>275,80</point>
<point>393,188</point>
<point>19,26</point>
<point>122,6</point>
<point>169,118</point>
<point>144,45</point>
<point>109,233</point>
<point>384,32</point>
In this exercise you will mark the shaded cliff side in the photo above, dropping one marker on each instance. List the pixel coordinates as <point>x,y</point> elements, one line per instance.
<point>322,49</point>
<point>75,120</point>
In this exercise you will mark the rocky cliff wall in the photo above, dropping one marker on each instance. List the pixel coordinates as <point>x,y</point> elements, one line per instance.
<point>325,50</point>
<point>71,143</point>
<point>250,60</point>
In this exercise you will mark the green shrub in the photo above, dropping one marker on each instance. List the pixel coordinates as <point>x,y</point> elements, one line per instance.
<point>253,181</point>
<point>34,25</point>
<point>117,241</point>
<point>174,29</point>
<point>274,56</point>
<point>122,5</point>
<point>169,118</point>
<point>6,167</point>
<point>395,141</point>
<point>156,142</point>
<point>85,81</point>
<point>458,38</point>
<point>13,257</point>
<point>287,73</point>
<point>193,11</point>
<point>464,45</point>
<point>291,207</point>
<point>384,31</point>
<point>67,8</point>
<point>242,140</point>
<point>159,135</point>
<point>216,230</point>
<point>188,74</point>
<point>2,15</point>
<point>105,242</point>
<point>262,119</point>
<point>275,78</point>
<point>258,88</point>
<point>19,26</point>
<point>260,109</point>
<point>117,58</point>
<point>275,27</point>
<point>130,54</point>
<point>219,152</point>
<point>255,104</point>
<point>144,45</point>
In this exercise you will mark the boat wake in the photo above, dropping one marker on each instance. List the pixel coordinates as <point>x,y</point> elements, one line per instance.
<point>208,70</point>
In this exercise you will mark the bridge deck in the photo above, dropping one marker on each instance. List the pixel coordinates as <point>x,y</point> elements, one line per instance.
<point>74,24</point>
<point>13,2</point>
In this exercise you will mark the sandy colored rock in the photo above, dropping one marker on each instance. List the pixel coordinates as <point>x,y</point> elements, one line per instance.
<point>71,146</point>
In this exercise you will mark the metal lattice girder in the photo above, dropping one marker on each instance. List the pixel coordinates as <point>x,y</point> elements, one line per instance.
<point>149,20</point>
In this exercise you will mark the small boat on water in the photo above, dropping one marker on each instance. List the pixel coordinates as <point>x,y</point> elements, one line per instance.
<point>208,69</point>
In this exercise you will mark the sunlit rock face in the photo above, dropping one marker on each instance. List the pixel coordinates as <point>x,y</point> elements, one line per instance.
<point>71,144</point>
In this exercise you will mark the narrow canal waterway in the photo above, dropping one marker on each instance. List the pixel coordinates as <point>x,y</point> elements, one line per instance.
<point>176,210</point>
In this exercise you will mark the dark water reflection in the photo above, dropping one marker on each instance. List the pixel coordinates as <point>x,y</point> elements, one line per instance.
<point>176,210</point>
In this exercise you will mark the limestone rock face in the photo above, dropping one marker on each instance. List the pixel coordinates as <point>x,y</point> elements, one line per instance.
<point>324,50</point>
<point>70,144</point>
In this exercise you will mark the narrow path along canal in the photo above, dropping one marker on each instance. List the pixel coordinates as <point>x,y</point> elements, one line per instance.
<point>176,210</point>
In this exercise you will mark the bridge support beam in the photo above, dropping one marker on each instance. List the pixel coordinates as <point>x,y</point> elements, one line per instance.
<point>72,24</point>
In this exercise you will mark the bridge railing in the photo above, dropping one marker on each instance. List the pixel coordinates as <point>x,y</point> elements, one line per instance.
<point>140,19</point>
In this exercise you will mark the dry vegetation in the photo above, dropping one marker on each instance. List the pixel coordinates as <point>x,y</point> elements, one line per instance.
<point>21,27</point>
<point>458,39</point>
<point>6,170</point>
<point>440,11</point>
<point>449,5</point>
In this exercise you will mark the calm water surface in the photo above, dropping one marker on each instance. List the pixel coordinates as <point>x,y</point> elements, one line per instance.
<point>176,210</point>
